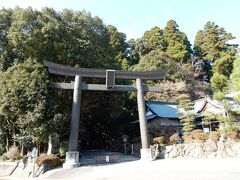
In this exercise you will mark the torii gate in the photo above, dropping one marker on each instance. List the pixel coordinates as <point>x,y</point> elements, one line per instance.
<point>72,156</point>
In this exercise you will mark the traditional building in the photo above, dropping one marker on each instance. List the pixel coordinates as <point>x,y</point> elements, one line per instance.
<point>162,118</point>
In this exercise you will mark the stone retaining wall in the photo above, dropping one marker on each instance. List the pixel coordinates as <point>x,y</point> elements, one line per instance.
<point>7,168</point>
<point>208,149</point>
<point>20,169</point>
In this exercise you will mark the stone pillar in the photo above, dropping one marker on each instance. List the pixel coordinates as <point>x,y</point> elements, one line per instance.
<point>53,144</point>
<point>146,153</point>
<point>72,156</point>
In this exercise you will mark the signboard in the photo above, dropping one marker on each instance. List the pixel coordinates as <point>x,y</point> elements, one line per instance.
<point>110,79</point>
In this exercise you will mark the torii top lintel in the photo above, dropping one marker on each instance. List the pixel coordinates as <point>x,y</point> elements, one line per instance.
<point>59,69</point>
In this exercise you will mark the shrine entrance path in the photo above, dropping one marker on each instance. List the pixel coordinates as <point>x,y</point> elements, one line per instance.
<point>169,169</point>
<point>98,157</point>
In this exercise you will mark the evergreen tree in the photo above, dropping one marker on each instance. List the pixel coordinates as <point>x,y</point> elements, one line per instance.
<point>187,114</point>
<point>219,82</point>
<point>235,80</point>
<point>212,44</point>
<point>177,42</point>
<point>235,76</point>
<point>6,49</point>
<point>133,55</point>
<point>66,37</point>
<point>119,46</point>
<point>227,121</point>
<point>199,39</point>
<point>24,107</point>
<point>151,40</point>
<point>153,61</point>
<point>74,38</point>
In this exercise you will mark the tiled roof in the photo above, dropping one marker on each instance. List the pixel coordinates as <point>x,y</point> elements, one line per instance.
<point>164,110</point>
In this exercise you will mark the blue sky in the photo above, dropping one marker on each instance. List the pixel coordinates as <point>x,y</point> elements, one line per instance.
<point>134,17</point>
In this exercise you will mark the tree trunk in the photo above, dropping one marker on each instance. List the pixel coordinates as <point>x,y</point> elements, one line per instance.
<point>22,149</point>
<point>44,148</point>
<point>7,141</point>
<point>14,133</point>
<point>38,147</point>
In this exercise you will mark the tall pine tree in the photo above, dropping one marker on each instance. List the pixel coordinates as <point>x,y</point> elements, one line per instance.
<point>177,42</point>
<point>151,40</point>
<point>212,44</point>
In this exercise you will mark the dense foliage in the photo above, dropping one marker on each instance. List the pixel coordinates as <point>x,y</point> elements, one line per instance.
<point>68,37</point>
<point>24,109</point>
<point>212,44</point>
<point>235,76</point>
<point>235,81</point>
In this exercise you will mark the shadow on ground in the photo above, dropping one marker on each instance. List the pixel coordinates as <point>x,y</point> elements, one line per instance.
<point>100,157</point>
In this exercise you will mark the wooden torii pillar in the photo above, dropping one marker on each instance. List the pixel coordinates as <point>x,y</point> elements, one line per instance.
<point>72,156</point>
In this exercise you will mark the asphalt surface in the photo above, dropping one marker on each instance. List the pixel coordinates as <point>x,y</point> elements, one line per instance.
<point>169,169</point>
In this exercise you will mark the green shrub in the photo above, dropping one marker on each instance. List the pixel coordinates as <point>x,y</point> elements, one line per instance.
<point>63,148</point>
<point>158,140</point>
<point>49,160</point>
<point>214,135</point>
<point>174,139</point>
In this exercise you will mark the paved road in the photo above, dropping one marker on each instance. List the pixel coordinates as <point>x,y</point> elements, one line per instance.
<point>90,157</point>
<point>172,169</point>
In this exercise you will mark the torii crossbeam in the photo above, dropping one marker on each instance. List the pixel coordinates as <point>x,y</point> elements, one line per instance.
<point>72,156</point>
